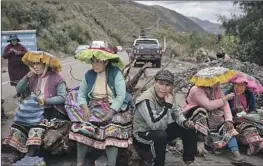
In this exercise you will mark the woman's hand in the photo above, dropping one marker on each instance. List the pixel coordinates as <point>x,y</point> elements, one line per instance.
<point>189,124</point>
<point>17,52</point>
<point>41,101</point>
<point>109,116</point>
<point>229,97</point>
<point>229,125</point>
<point>86,114</point>
<point>11,50</point>
<point>30,74</point>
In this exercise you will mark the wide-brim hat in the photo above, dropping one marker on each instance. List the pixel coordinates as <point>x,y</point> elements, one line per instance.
<point>44,57</point>
<point>252,83</point>
<point>100,54</point>
<point>13,37</point>
<point>211,76</point>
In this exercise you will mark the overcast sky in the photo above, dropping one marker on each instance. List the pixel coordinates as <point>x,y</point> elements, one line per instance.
<point>205,10</point>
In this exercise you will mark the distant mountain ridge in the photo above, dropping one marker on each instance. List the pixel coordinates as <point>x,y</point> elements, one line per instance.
<point>208,25</point>
<point>177,20</point>
<point>63,25</point>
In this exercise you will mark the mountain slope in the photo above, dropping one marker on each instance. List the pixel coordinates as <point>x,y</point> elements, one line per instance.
<point>62,25</point>
<point>178,21</point>
<point>208,26</point>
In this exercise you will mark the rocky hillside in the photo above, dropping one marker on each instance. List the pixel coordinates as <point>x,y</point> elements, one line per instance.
<point>62,24</point>
<point>208,26</point>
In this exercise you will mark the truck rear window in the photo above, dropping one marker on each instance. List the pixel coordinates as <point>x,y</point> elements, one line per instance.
<point>138,42</point>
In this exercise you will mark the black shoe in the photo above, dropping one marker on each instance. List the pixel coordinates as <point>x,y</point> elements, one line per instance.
<point>33,150</point>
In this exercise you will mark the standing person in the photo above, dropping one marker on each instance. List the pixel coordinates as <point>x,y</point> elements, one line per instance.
<point>14,53</point>
<point>158,120</point>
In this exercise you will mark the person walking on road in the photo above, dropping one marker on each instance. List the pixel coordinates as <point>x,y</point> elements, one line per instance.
<point>14,53</point>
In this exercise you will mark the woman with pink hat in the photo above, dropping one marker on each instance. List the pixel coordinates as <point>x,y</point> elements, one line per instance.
<point>247,120</point>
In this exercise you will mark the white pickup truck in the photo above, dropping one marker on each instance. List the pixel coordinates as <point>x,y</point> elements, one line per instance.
<point>99,44</point>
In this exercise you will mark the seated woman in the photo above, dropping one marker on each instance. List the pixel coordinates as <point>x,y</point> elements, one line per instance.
<point>251,132</point>
<point>43,80</point>
<point>207,106</point>
<point>106,121</point>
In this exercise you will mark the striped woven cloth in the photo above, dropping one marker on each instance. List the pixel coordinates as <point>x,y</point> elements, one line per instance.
<point>72,107</point>
<point>75,112</point>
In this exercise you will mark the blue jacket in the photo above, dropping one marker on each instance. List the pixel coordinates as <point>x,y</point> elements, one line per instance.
<point>251,100</point>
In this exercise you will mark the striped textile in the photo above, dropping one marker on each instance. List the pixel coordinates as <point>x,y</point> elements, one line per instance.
<point>72,107</point>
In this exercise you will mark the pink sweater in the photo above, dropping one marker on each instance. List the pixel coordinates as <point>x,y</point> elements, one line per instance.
<point>198,97</point>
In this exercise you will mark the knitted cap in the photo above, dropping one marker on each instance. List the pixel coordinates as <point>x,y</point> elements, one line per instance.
<point>165,75</point>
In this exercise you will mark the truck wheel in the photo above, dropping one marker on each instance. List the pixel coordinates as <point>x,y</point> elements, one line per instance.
<point>158,63</point>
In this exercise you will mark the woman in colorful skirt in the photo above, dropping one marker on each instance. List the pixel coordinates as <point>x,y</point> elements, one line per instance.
<point>44,81</point>
<point>102,116</point>
<point>208,107</point>
<point>248,122</point>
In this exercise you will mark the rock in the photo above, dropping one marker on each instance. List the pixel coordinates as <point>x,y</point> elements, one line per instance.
<point>56,140</point>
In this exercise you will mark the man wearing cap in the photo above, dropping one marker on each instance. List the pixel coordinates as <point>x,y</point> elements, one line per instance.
<point>14,53</point>
<point>157,120</point>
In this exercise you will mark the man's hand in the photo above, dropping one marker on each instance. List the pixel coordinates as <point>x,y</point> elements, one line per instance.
<point>169,98</point>
<point>109,116</point>
<point>189,124</point>
<point>229,125</point>
<point>30,74</point>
